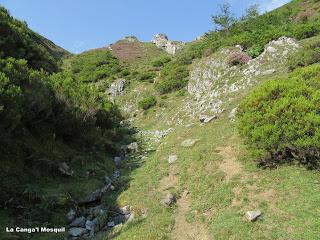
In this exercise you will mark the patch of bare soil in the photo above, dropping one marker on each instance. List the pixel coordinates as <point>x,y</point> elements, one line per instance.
<point>169,181</point>
<point>230,166</point>
<point>184,230</point>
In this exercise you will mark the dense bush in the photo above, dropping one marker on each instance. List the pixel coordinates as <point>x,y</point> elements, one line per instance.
<point>146,76</point>
<point>96,65</point>
<point>281,119</point>
<point>161,62</point>
<point>147,102</point>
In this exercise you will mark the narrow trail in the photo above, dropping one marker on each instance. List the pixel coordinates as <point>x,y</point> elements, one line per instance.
<point>183,230</point>
<point>230,166</point>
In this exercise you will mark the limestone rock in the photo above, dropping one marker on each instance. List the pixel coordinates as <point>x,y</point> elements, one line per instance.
<point>189,142</point>
<point>117,160</point>
<point>253,215</point>
<point>71,215</point>
<point>65,169</point>
<point>92,197</point>
<point>206,119</point>
<point>116,88</point>
<point>161,41</point>
<point>168,200</point>
<point>133,147</point>
<point>172,159</point>
<point>77,232</point>
<point>78,222</point>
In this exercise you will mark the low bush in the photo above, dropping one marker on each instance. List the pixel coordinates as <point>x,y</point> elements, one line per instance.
<point>147,102</point>
<point>173,77</point>
<point>281,119</point>
<point>161,62</point>
<point>308,55</point>
<point>146,77</point>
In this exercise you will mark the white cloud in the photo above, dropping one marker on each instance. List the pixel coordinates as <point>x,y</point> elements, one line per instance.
<point>268,5</point>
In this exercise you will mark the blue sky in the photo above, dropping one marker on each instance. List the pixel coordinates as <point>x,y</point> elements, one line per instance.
<point>83,24</point>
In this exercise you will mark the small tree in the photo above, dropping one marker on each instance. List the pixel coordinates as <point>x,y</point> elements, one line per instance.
<point>251,12</point>
<point>225,19</point>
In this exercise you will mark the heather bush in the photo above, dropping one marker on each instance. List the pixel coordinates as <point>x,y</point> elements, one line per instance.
<point>238,58</point>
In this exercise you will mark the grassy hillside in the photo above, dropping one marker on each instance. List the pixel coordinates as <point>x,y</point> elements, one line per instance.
<point>206,122</point>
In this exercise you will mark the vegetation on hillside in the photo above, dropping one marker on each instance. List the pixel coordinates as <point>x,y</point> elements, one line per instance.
<point>298,19</point>
<point>280,120</point>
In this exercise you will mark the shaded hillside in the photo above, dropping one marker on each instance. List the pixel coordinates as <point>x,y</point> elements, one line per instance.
<point>19,42</point>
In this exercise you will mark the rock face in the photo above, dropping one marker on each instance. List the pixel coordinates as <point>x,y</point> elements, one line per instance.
<point>116,88</point>
<point>212,82</point>
<point>162,41</point>
<point>78,222</point>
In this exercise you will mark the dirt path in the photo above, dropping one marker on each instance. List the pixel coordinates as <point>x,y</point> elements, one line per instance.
<point>182,229</point>
<point>230,166</point>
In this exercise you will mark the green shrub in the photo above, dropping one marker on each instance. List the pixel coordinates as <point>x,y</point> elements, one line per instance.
<point>161,62</point>
<point>147,102</point>
<point>146,77</point>
<point>173,77</point>
<point>281,119</point>
<point>306,56</point>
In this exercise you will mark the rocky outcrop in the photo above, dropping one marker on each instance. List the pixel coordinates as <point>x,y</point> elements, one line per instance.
<point>116,88</point>
<point>212,81</point>
<point>162,41</point>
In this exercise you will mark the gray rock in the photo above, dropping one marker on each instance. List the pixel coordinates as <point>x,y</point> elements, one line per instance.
<point>78,222</point>
<point>168,200</point>
<point>117,160</point>
<point>71,215</point>
<point>125,210</point>
<point>116,88</point>
<point>253,215</point>
<point>98,211</point>
<point>92,197</point>
<point>162,41</point>
<point>110,224</point>
<point>77,232</point>
<point>232,114</point>
<point>172,159</point>
<point>206,119</point>
<point>133,147</point>
<point>115,175</point>
<point>189,142</point>
<point>92,225</point>
<point>65,169</point>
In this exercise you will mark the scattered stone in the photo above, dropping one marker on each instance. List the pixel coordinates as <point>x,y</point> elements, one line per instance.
<point>172,159</point>
<point>125,210</point>
<point>232,114</point>
<point>115,175</point>
<point>117,160</point>
<point>110,224</point>
<point>189,142</point>
<point>168,200</point>
<point>78,222</point>
<point>253,215</point>
<point>71,215</point>
<point>206,119</point>
<point>91,225</point>
<point>65,169</point>
<point>133,147</point>
<point>92,197</point>
<point>77,232</point>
